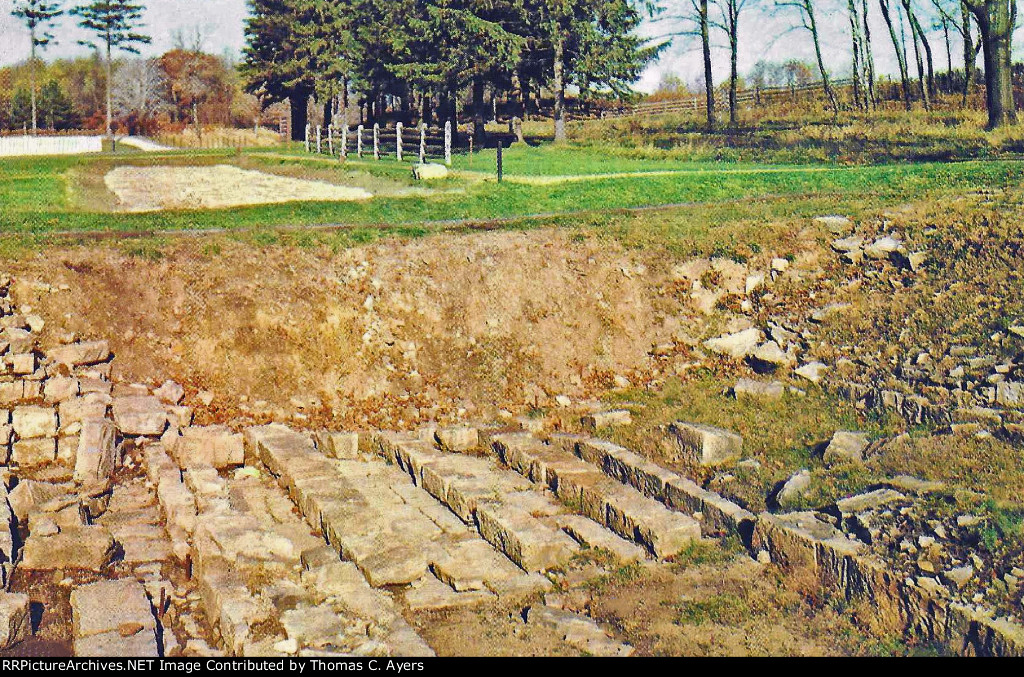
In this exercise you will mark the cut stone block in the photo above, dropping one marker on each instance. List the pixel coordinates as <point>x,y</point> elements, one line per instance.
<point>342,445</point>
<point>458,438</point>
<point>113,618</point>
<point>32,422</point>
<point>34,452</point>
<point>15,619</point>
<point>79,354</point>
<point>86,547</point>
<point>140,416</point>
<point>710,445</point>
<point>592,535</point>
<point>96,457</point>
<point>523,538</point>
<point>607,419</point>
<point>214,446</point>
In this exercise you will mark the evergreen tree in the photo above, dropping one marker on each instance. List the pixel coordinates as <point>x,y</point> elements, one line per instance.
<point>39,16</point>
<point>21,109</point>
<point>115,23</point>
<point>55,108</point>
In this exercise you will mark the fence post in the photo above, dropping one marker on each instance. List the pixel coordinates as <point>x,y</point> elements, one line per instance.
<point>501,169</point>
<point>423,142</point>
<point>319,146</point>
<point>359,141</point>
<point>376,141</point>
<point>448,143</point>
<point>344,139</point>
<point>330,139</point>
<point>398,140</point>
<point>307,138</point>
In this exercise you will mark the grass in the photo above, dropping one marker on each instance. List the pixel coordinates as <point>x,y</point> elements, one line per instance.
<point>35,192</point>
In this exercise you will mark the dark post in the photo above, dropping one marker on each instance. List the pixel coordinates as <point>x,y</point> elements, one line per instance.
<point>500,168</point>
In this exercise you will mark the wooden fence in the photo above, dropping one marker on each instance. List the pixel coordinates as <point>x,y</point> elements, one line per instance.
<point>698,103</point>
<point>419,143</point>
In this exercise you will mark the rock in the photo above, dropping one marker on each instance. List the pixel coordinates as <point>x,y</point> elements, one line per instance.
<point>429,171</point>
<point>578,631</point>
<point>457,438</point>
<point>710,445</point>
<point>846,446</point>
<point>836,224</point>
<point>563,401</point>
<point>882,248</point>
<point>753,282</point>
<point>60,388</point>
<point>86,547</point>
<point>737,345</point>
<point>170,392</point>
<point>34,452</point>
<point>607,419</point>
<point>914,485</point>
<point>770,357</point>
<point>959,576</point>
<point>23,364</point>
<point>812,371</point>
<point>113,618</point>
<point>758,390</point>
<point>140,415</point>
<point>780,265</point>
<point>848,244</point>
<point>15,619</point>
<point>213,445</point>
<point>31,422</point>
<point>871,500</point>
<point>795,488</point>
<point>1010,394</point>
<point>79,354</point>
<point>338,444</point>
<point>30,494</point>
<point>96,457</point>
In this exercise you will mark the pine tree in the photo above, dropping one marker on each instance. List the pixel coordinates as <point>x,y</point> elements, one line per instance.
<point>56,109</point>
<point>39,16</point>
<point>21,109</point>
<point>115,23</point>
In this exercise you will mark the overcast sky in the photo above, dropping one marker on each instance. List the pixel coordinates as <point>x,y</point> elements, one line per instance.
<point>763,36</point>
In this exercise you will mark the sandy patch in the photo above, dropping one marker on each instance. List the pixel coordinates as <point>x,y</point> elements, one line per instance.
<point>143,189</point>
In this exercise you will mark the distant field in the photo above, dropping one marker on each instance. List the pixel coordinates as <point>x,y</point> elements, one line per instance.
<point>60,194</point>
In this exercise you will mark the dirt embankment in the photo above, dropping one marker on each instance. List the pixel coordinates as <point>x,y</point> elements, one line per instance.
<point>388,335</point>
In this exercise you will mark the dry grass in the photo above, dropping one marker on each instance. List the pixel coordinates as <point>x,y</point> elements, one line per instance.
<point>220,137</point>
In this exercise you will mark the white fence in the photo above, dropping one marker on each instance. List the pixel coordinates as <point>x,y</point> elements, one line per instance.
<point>12,146</point>
<point>405,143</point>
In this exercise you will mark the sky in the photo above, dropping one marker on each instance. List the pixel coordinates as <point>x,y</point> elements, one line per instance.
<point>770,34</point>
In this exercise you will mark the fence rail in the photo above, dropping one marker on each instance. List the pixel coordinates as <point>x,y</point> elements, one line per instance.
<point>698,103</point>
<point>418,142</point>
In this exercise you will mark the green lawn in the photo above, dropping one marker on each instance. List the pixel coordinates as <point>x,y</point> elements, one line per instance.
<point>36,195</point>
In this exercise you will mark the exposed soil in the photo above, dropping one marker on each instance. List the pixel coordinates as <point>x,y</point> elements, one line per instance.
<point>141,189</point>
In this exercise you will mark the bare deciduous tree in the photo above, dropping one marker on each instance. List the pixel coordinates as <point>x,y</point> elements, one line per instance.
<point>138,94</point>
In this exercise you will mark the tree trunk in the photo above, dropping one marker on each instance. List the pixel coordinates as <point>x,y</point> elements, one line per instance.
<point>479,111</point>
<point>733,20</point>
<point>869,57</point>
<point>901,56</point>
<point>32,82</point>
<point>969,54</point>
<point>709,77</point>
<point>996,20</point>
<point>919,34</point>
<point>299,117</point>
<point>812,26</point>
<point>855,37</point>
<point>559,84</point>
<point>110,107</point>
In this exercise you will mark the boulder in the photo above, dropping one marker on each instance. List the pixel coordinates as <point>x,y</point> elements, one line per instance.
<point>737,345</point>
<point>170,392</point>
<point>113,618</point>
<point>812,371</point>
<point>429,171</point>
<point>769,357</point>
<point>846,446</point>
<point>758,390</point>
<point>795,488</point>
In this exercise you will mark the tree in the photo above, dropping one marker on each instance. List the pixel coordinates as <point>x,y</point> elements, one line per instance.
<point>809,21</point>
<point>115,23</point>
<point>138,95</point>
<point>56,108</point>
<point>39,16</point>
<point>901,56</point>
<point>21,109</point>
<point>731,10</point>
<point>996,21</point>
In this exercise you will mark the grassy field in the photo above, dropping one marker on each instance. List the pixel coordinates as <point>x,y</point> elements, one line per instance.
<point>45,195</point>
